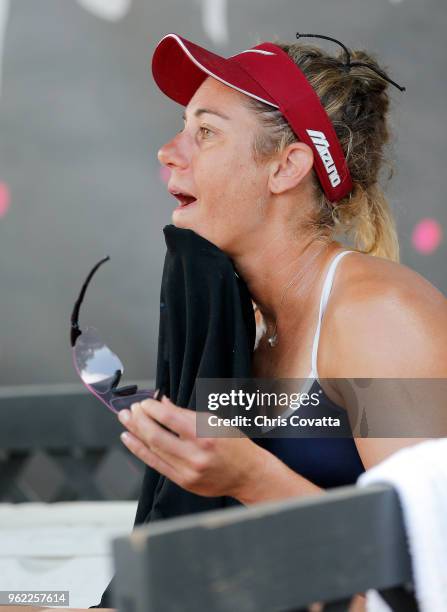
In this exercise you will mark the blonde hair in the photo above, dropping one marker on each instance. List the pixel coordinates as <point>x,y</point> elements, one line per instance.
<point>357,104</point>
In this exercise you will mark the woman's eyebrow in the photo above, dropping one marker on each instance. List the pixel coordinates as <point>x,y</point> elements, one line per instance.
<point>210,111</point>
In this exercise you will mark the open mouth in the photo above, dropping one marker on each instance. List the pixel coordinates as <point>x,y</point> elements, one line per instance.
<point>184,199</point>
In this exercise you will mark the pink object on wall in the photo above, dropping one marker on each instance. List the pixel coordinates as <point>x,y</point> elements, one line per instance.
<point>427,236</point>
<point>5,199</point>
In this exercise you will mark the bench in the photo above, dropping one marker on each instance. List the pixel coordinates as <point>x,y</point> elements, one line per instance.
<point>278,556</point>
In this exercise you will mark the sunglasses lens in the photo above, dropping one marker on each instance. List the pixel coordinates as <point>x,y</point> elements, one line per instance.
<point>97,365</point>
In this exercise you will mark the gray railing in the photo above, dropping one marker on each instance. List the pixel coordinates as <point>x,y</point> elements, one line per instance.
<point>269,557</point>
<point>59,443</point>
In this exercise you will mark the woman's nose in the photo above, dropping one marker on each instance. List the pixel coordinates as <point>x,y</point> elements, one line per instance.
<point>170,155</point>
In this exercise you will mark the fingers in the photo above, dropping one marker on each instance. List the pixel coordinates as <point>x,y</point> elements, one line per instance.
<point>149,432</point>
<point>183,475</point>
<point>157,447</point>
<point>178,420</point>
<point>174,452</point>
<point>140,450</point>
<point>147,421</point>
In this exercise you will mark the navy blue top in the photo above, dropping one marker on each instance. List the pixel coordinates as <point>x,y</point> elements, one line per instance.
<point>327,462</point>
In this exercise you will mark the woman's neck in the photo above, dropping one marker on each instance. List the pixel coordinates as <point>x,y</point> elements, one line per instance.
<point>281,275</point>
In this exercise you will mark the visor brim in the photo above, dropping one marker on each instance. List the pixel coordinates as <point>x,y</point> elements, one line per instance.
<point>179,67</point>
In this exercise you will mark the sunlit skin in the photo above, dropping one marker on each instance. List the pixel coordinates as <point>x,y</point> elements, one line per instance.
<point>383,319</point>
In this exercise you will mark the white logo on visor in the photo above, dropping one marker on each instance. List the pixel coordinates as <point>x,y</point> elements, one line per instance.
<point>322,146</point>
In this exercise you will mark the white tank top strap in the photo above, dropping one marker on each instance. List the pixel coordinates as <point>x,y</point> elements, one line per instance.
<point>327,286</point>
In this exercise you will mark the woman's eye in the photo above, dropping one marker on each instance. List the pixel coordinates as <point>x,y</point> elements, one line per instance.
<point>205,131</point>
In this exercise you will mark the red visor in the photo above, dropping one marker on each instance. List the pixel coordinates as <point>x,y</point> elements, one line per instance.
<point>265,73</point>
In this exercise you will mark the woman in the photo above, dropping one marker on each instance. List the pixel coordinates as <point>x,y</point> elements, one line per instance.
<point>279,159</point>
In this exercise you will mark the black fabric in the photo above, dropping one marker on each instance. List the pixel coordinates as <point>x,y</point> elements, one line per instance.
<point>207,329</point>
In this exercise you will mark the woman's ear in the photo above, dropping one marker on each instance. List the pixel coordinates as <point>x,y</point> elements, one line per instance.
<point>291,167</point>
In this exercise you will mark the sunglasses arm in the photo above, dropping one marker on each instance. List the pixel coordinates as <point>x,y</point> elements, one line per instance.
<point>75,331</point>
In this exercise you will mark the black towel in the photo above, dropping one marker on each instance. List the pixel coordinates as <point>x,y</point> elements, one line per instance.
<point>207,329</point>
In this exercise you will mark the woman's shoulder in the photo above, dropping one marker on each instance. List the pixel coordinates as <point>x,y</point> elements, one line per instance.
<point>369,282</point>
<point>367,277</point>
<point>385,319</point>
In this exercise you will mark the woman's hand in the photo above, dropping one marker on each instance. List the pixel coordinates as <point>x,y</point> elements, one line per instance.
<point>205,466</point>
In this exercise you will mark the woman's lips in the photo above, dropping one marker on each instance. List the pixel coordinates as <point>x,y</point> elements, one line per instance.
<point>184,200</point>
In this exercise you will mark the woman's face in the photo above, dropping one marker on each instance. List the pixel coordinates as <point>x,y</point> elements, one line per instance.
<point>212,160</point>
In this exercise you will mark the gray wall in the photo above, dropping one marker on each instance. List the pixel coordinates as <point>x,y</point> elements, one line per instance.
<point>81,122</point>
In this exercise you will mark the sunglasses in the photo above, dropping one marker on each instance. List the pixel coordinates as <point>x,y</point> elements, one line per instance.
<point>97,365</point>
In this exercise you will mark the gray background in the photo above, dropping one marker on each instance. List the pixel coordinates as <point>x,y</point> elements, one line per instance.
<point>81,122</point>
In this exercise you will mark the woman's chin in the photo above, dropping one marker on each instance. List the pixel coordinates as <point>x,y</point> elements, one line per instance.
<point>182,216</point>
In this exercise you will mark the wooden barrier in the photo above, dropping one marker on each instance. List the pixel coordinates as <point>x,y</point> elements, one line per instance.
<point>278,556</point>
